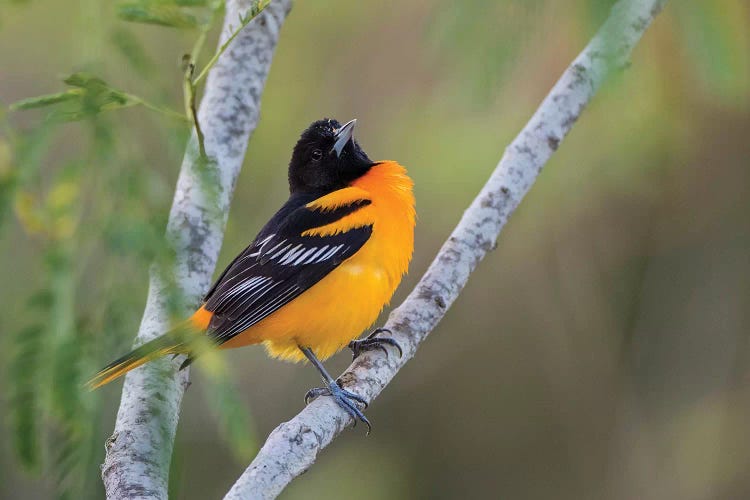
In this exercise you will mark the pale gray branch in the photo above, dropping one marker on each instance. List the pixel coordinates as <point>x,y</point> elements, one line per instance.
<point>138,453</point>
<point>293,446</point>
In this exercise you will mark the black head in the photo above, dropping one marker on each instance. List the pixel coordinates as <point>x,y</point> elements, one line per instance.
<point>326,158</point>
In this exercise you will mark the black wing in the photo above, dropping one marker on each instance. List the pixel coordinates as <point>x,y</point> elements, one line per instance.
<point>280,265</point>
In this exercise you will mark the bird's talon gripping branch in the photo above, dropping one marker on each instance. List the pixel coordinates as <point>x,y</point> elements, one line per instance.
<point>345,399</point>
<point>372,341</point>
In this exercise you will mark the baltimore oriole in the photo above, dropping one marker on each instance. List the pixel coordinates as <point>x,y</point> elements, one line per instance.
<point>318,273</point>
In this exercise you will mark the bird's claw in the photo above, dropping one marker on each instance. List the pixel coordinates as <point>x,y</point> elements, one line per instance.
<point>315,392</point>
<point>372,341</point>
<point>345,399</point>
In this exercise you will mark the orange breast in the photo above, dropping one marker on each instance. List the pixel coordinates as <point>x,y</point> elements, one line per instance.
<point>348,300</point>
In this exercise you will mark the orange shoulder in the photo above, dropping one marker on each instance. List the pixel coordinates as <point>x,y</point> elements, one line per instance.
<point>386,185</point>
<point>338,198</point>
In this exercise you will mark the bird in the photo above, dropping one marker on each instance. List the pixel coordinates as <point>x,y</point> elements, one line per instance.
<point>317,275</point>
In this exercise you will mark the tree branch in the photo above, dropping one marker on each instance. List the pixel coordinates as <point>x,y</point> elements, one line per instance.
<point>139,451</point>
<point>293,446</point>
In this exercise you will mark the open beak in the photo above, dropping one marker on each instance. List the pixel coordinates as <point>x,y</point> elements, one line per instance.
<point>343,136</point>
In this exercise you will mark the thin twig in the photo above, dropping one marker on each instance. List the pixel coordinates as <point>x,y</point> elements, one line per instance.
<point>134,100</point>
<point>190,85</point>
<point>190,109</point>
<point>245,19</point>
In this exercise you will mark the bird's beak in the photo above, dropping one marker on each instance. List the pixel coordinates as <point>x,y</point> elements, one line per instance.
<point>343,136</point>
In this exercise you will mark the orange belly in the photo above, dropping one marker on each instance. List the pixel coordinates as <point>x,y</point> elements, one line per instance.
<point>322,321</point>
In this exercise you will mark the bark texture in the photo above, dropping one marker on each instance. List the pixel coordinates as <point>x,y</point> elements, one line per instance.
<point>138,453</point>
<point>293,446</point>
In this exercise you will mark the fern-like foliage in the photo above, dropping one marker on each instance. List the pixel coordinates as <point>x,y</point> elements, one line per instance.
<point>95,214</point>
<point>24,396</point>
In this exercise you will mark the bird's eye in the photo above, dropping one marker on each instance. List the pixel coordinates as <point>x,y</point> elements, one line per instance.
<point>317,154</point>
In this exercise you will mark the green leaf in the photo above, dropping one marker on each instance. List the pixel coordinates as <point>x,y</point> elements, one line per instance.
<point>85,81</point>
<point>89,96</point>
<point>24,388</point>
<point>96,97</point>
<point>173,16</point>
<point>96,88</point>
<point>73,411</point>
<point>44,100</point>
<point>191,3</point>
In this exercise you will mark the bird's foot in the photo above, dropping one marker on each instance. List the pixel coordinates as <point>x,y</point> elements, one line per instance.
<point>372,341</point>
<point>345,399</point>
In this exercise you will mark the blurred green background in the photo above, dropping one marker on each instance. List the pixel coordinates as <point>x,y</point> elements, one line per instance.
<point>600,352</point>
